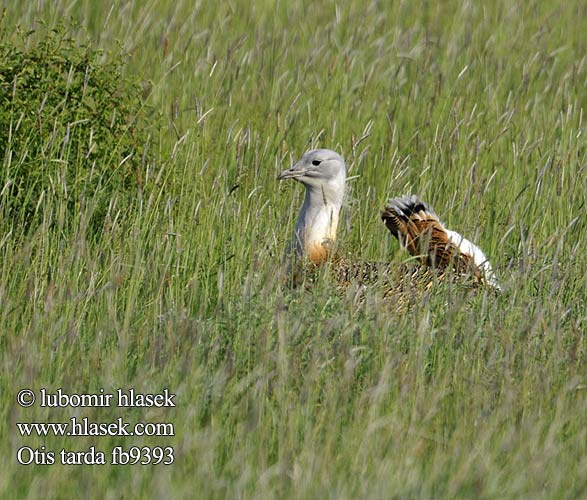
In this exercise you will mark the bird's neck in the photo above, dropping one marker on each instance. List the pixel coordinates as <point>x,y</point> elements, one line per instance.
<point>315,230</point>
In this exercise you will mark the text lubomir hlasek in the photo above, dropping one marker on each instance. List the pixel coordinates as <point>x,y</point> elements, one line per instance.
<point>121,398</point>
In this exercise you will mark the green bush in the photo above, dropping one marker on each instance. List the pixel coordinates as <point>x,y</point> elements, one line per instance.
<point>73,128</point>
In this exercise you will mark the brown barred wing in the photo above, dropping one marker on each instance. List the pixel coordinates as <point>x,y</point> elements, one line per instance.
<point>419,230</point>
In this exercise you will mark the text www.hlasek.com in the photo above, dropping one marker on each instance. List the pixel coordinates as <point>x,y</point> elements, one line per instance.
<point>84,427</point>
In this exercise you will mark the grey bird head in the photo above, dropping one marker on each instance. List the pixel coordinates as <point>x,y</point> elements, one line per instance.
<point>323,174</point>
<point>317,167</point>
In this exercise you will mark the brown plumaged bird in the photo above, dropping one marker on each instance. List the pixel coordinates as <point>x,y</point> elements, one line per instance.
<point>410,220</point>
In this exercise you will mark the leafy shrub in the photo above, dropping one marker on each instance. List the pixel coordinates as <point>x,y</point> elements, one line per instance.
<point>73,129</point>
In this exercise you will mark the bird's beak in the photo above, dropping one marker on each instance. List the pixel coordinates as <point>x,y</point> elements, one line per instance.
<point>292,173</point>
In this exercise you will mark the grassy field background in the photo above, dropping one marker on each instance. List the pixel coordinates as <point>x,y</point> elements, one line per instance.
<point>478,107</point>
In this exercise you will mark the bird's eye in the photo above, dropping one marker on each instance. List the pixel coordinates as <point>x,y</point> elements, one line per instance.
<point>316,162</point>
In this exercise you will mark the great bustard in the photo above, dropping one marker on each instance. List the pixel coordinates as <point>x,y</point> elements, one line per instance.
<point>410,220</point>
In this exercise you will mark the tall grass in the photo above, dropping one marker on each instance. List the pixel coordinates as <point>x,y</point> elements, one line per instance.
<point>478,108</point>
